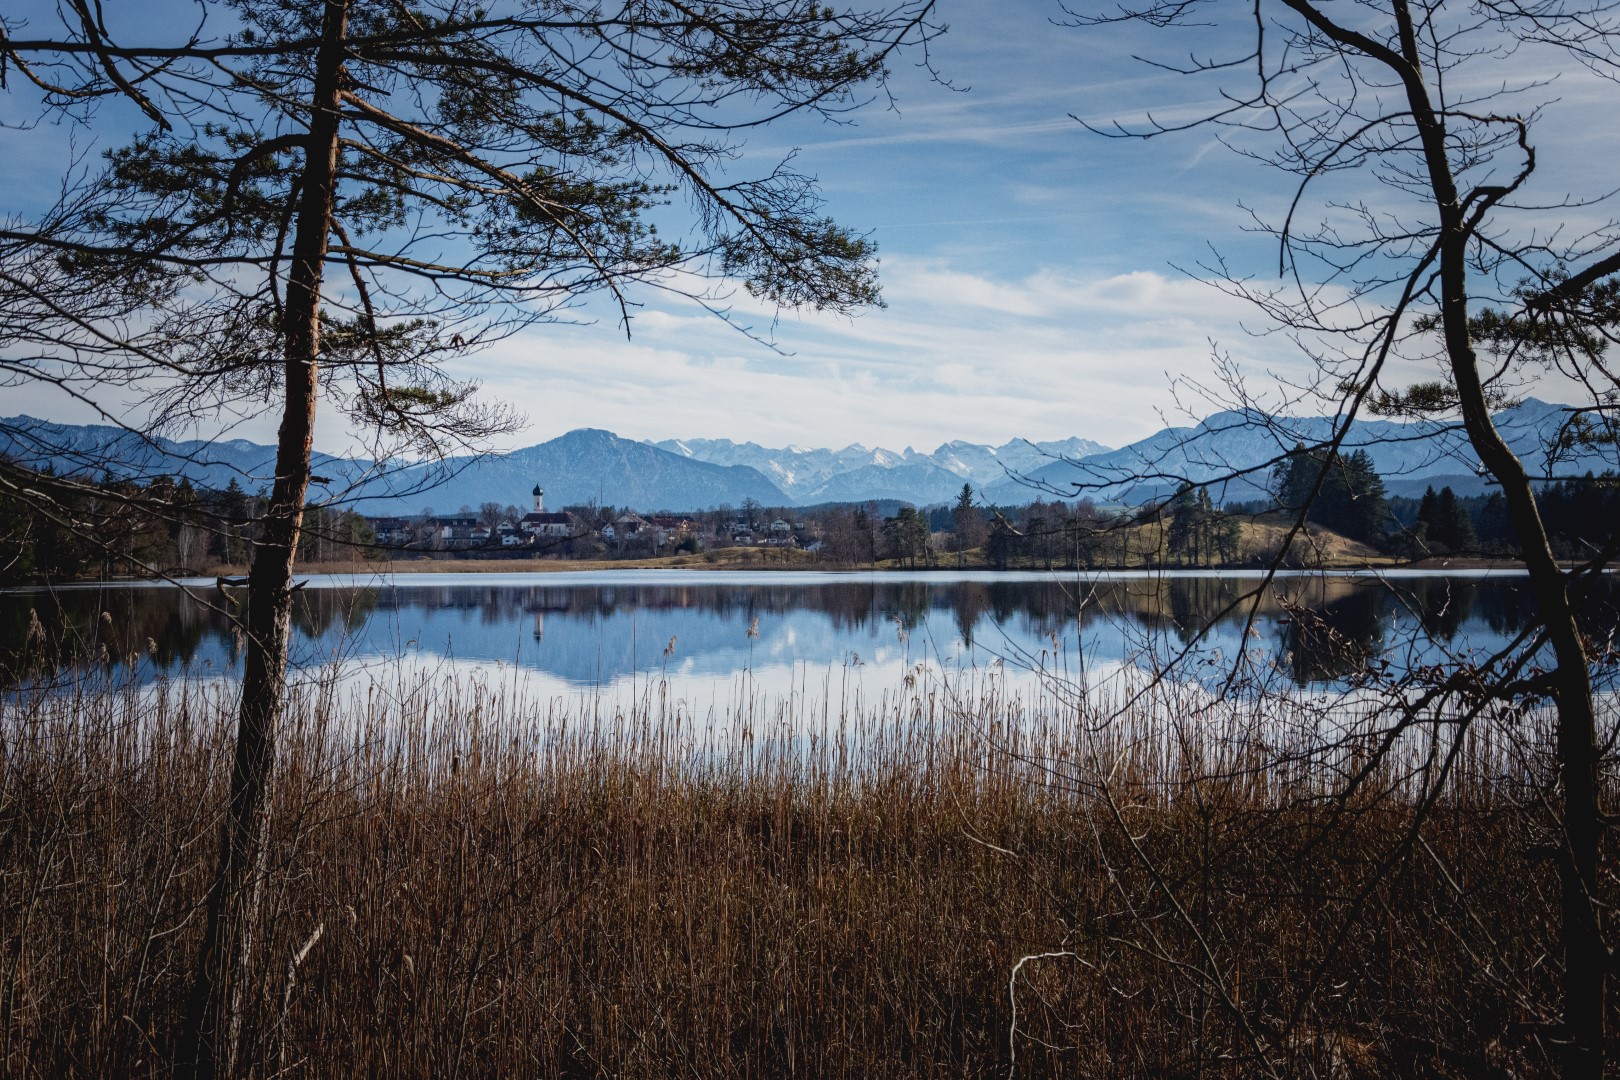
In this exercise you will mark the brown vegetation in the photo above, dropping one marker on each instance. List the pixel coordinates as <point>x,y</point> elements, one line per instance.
<point>463,882</point>
<point>1129,547</point>
<point>723,559</point>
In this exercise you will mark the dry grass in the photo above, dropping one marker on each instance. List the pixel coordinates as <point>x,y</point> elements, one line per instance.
<point>1127,547</point>
<point>1314,547</point>
<point>493,887</point>
<point>741,558</point>
<point>1260,544</point>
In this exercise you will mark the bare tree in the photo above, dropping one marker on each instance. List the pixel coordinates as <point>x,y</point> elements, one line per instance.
<point>1432,250</point>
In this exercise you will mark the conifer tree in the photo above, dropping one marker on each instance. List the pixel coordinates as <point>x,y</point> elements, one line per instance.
<point>337,196</point>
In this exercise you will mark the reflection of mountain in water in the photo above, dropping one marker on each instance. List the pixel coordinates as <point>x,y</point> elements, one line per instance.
<point>1320,628</point>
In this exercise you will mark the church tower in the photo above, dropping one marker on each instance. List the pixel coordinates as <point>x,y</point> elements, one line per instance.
<point>539,500</point>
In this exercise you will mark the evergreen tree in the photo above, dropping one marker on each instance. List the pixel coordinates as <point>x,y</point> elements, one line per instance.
<point>1186,534</point>
<point>1453,529</point>
<point>906,536</point>
<point>1293,478</point>
<point>230,524</point>
<point>1428,519</point>
<point>1350,497</point>
<point>1035,529</point>
<point>1177,534</point>
<point>967,524</point>
<point>864,539</point>
<point>17,539</point>
<point>1002,545</point>
<point>1495,527</point>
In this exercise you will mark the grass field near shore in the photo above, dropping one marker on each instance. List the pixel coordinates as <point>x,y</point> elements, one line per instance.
<point>723,559</point>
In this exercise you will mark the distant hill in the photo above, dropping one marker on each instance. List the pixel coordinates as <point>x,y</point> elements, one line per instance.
<point>682,475</point>
<point>1409,455</point>
<point>578,467</point>
<point>96,449</point>
<point>587,465</point>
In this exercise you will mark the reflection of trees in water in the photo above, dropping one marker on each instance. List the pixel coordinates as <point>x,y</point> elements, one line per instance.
<point>1597,608</point>
<point>969,601</point>
<point>1599,613</point>
<point>1506,607</point>
<point>1196,603</point>
<point>124,626</point>
<point>1443,606</point>
<point>1005,601</point>
<point>1335,637</point>
<point>1042,607</point>
<point>346,611</point>
<point>42,631</point>
<point>1336,640</point>
<point>846,604</point>
<point>1328,626</point>
<point>909,603</point>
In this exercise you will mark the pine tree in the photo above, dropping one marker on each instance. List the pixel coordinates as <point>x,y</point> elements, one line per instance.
<point>967,524</point>
<point>1454,528</point>
<point>1349,495</point>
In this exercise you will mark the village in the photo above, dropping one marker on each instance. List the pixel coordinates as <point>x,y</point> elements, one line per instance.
<point>588,531</point>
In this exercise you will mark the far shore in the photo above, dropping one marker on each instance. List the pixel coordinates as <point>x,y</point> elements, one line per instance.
<point>789,560</point>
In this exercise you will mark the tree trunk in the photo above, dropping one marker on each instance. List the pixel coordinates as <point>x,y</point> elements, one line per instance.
<point>1586,956</point>
<point>216,1016</point>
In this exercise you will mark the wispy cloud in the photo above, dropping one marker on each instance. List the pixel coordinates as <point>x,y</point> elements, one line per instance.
<point>1029,267</point>
<point>956,355</point>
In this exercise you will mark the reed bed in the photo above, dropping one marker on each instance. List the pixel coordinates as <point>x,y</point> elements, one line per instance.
<point>942,881</point>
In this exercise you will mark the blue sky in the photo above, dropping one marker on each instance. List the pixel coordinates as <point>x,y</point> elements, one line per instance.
<point>1030,268</point>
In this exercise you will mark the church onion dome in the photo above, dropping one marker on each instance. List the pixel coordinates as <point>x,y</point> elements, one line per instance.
<point>536,490</point>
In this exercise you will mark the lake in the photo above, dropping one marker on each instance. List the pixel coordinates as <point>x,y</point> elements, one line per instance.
<point>712,638</point>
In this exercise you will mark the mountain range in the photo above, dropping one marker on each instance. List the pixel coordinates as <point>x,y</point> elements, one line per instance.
<point>1410,455</point>
<point>591,465</point>
<point>858,474</point>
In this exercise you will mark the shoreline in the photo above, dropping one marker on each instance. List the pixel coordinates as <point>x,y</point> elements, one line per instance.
<point>775,565</point>
<point>777,560</point>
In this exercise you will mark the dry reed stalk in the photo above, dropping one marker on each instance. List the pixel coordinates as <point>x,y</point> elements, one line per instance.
<point>467,882</point>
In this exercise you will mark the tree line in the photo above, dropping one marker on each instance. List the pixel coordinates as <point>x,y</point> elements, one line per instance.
<point>112,528</point>
<point>1345,493</point>
<point>1582,516</point>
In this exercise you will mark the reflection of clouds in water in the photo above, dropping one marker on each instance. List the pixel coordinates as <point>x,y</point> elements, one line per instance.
<point>1118,717</point>
<point>607,634</point>
<point>814,695</point>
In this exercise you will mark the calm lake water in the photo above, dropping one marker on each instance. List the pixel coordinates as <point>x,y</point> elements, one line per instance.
<point>710,637</point>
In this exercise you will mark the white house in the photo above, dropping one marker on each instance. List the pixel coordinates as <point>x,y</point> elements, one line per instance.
<point>461,530</point>
<point>624,527</point>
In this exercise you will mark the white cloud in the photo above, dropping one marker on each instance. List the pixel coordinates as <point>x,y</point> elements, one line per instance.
<point>935,285</point>
<point>956,355</point>
<point>1027,265</point>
